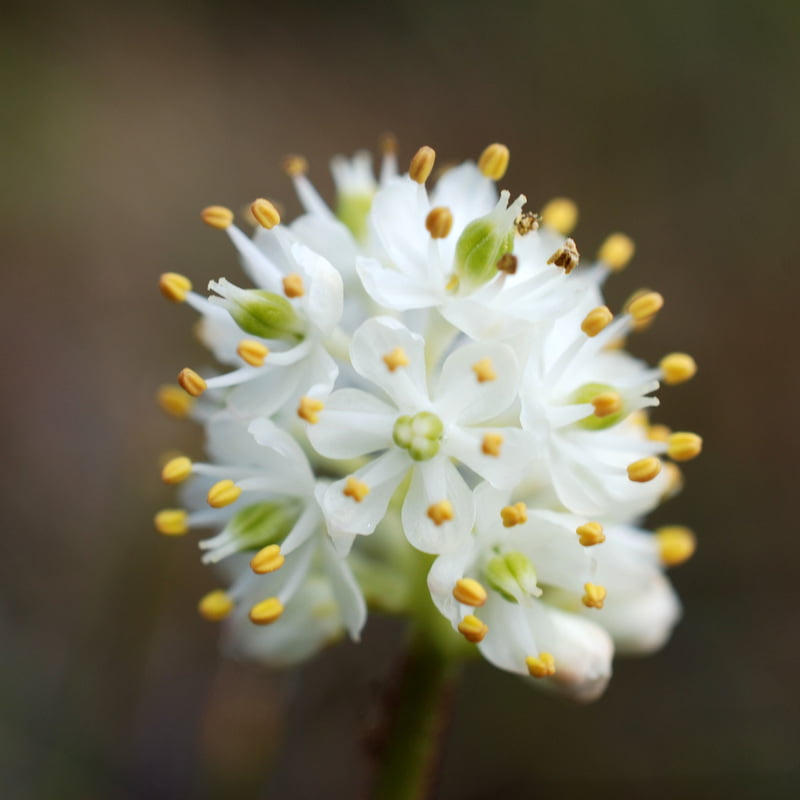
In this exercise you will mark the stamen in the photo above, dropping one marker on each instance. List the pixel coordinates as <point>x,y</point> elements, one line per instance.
<point>422,164</point>
<point>561,214</point>
<point>606,403</point>
<point>645,306</point>
<point>526,223</point>
<point>356,489</point>
<point>215,606</point>
<point>174,401</point>
<point>541,667</point>
<point>174,286</point>
<point>439,222</point>
<point>595,595</point>
<point>252,352</point>
<point>596,320</point>
<point>295,166</point>
<point>268,559</point>
<point>644,470</point>
<point>217,217</point>
<point>309,409</point>
<point>508,263</point>
<point>396,358</point>
<point>472,629</point>
<point>469,592</point>
<point>684,446</point>
<point>265,214</point>
<point>658,433</point>
<point>172,522</point>
<point>676,544</point>
<point>591,533</point>
<point>493,162</point>
<point>566,257</point>
<point>223,493</point>
<point>176,470</point>
<point>616,251</point>
<point>388,144</point>
<point>293,285</point>
<point>677,368</point>
<point>674,479</point>
<point>491,444</point>
<point>191,382</point>
<point>514,515</point>
<point>441,512</point>
<point>484,370</point>
<point>267,611</point>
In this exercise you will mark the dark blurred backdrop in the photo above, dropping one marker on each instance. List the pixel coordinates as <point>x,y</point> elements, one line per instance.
<point>676,122</point>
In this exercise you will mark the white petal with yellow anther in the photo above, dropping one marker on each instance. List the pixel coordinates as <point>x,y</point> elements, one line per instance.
<point>514,457</point>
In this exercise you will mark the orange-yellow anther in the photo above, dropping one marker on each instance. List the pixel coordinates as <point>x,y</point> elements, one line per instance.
<point>252,352</point>
<point>644,470</point>
<point>265,214</point>
<point>172,522</point>
<point>493,161</point>
<point>684,446</point>
<point>355,488</point>
<point>294,166</point>
<point>616,251</point>
<point>217,217</point>
<point>223,493</point>
<point>514,515</point>
<point>439,222</point>
<point>267,611</point>
<point>191,382</point>
<point>309,409</point>
<point>215,606</point>
<point>645,306</point>
<point>174,286</point>
<point>396,358</point>
<point>677,368</point>
<point>484,370</point>
<point>174,401</point>
<point>491,444</point>
<point>674,479</point>
<point>267,559</point>
<point>472,629</point>
<point>469,592</point>
<point>293,285</point>
<point>561,214</point>
<point>507,263</point>
<point>594,596</point>
<point>388,144</point>
<point>590,534</point>
<point>176,470</point>
<point>658,433</point>
<point>606,403</point>
<point>422,164</point>
<point>542,666</point>
<point>596,320</point>
<point>567,256</point>
<point>440,512</point>
<point>676,544</point>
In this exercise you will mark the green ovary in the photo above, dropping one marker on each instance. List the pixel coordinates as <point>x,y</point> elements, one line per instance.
<point>585,394</point>
<point>421,435</point>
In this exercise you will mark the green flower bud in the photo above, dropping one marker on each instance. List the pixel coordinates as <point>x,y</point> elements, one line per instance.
<point>421,435</point>
<point>601,419</point>
<point>261,524</point>
<point>353,209</point>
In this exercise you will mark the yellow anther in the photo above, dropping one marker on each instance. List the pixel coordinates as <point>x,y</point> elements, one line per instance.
<point>542,666</point>
<point>388,144</point>
<point>677,368</point>
<point>294,166</point>
<point>252,352</point>
<point>174,401</point>
<point>267,559</point>
<point>526,223</point>
<point>396,358</point>
<point>676,544</point>
<point>472,629</point>
<point>265,214</point>
<point>309,409</point>
<point>293,285</point>
<point>493,162</point>
<point>452,284</point>
<point>658,433</point>
<point>645,306</point>
<point>217,217</point>
<point>223,493</point>
<point>469,592</point>
<point>191,382</point>
<point>684,446</point>
<point>594,596</point>
<point>215,606</point>
<point>441,512</point>
<point>174,286</point>
<point>514,515</point>
<point>674,479</point>
<point>355,488</point>
<point>176,470</point>
<point>596,320</point>
<point>484,370</point>
<point>491,444</point>
<point>590,534</point>
<point>561,214</point>
<point>439,222</point>
<point>508,263</point>
<point>606,403</point>
<point>644,470</point>
<point>566,257</point>
<point>172,522</point>
<point>267,611</point>
<point>616,251</point>
<point>422,164</point>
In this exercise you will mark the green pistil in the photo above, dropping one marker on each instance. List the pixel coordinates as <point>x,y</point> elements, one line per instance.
<point>421,435</point>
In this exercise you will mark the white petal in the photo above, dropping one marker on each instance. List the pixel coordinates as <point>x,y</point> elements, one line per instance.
<point>442,577</point>
<point>330,238</point>
<point>393,289</point>
<point>345,589</point>
<point>504,471</point>
<point>325,299</point>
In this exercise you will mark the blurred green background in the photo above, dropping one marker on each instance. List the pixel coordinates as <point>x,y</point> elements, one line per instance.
<point>676,122</point>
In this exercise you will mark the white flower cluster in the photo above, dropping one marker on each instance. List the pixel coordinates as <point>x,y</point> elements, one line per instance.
<point>429,372</point>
